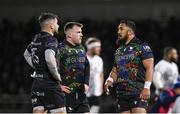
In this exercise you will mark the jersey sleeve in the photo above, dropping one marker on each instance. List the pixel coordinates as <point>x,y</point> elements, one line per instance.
<point>52,43</point>
<point>114,63</point>
<point>100,68</point>
<point>29,48</point>
<point>60,51</point>
<point>87,71</point>
<point>161,68</point>
<point>146,52</point>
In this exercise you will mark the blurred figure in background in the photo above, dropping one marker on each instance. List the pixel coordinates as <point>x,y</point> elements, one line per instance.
<point>176,106</point>
<point>96,79</point>
<point>166,70</point>
<point>166,99</point>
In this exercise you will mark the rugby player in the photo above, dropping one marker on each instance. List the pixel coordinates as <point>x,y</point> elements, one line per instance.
<point>40,55</point>
<point>74,69</point>
<point>96,79</point>
<point>132,70</point>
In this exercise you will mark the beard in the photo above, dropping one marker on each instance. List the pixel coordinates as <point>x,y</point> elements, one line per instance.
<point>96,53</point>
<point>124,39</point>
<point>56,32</point>
<point>77,43</point>
<point>174,60</point>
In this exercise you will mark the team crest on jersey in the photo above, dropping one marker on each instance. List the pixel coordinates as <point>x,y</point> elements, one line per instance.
<point>34,100</point>
<point>130,48</point>
<point>147,48</point>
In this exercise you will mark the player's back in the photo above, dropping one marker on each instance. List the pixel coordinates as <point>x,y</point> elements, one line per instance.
<point>41,42</point>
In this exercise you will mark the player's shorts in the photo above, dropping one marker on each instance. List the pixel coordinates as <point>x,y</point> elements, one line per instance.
<point>94,100</point>
<point>127,102</point>
<point>48,99</point>
<point>76,104</point>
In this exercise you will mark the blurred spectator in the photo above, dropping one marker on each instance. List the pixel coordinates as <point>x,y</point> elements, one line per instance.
<point>166,99</point>
<point>96,79</point>
<point>176,108</point>
<point>166,70</point>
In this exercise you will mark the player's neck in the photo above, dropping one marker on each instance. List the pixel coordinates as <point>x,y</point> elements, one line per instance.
<point>70,41</point>
<point>48,31</point>
<point>167,59</point>
<point>90,54</point>
<point>129,39</point>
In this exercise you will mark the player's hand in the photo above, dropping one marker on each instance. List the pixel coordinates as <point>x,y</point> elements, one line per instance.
<point>65,89</point>
<point>86,87</point>
<point>145,94</point>
<point>108,84</point>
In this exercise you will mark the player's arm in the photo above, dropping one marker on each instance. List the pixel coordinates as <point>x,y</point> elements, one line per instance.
<point>157,76</point>
<point>102,79</point>
<point>28,57</point>
<point>111,79</point>
<point>102,73</point>
<point>113,74</point>
<point>52,66</point>
<point>51,63</point>
<point>87,74</point>
<point>50,57</point>
<point>148,63</point>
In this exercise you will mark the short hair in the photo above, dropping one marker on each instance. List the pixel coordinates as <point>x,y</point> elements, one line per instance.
<point>45,17</point>
<point>130,24</point>
<point>167,50</point>
<point>70,25</point>
<point>92,40</point>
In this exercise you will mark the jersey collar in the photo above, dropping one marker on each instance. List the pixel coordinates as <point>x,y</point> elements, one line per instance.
<point>69,44</point>
<point>131,41</point>
<point>45,33</point>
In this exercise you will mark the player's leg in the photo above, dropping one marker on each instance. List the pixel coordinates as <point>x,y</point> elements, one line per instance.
<point>123,104</point>
<point>83,106</point>
<point>38,109</point>
<point>138,105</point>
<point>70,102</point>
<point>138,110</point>
<point>91,101</point>
<point>55,101</point>
<point>37,104</point>
<point>94,103</point>
<point>61,110</point>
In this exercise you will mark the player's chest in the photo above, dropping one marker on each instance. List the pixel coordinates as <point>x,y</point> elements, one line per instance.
<point>94,65</point>
<point>127,53</point>
<point>71,55</point>
<point>171,70</point>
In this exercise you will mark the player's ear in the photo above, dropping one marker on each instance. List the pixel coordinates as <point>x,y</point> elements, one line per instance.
<point>68,33</point>
<point>130,32</point>
<point>51,26</point>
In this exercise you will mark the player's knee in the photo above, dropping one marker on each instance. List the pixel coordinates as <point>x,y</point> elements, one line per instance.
<point>38,109</point>
<point>126,112</point>
<point>58,110</point>
<point>138,110</point>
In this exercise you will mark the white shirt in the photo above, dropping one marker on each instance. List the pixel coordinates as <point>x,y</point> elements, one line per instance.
<point>176,107</point>
<point>165,74</point>
<point>96,68</point>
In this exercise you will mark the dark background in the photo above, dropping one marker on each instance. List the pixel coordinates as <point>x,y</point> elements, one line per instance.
<point>157,23</point>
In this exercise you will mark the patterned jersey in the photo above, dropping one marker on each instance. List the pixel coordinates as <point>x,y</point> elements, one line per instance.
<point>43,77</point>
<point>73,66</point>
<point>130,69</point>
